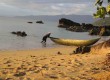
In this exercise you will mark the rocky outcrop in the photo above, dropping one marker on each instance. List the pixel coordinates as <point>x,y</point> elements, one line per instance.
<point>87,27</point>
<point>19,33</point>
<point>66,23</point>
<point>76,29</point>
<point>74,26</point>
<point>101,31</point>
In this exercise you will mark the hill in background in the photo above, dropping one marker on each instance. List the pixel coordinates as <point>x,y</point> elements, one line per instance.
<point>76,18</point>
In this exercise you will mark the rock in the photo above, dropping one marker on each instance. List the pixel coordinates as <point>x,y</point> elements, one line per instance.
<point>65,23</point>
<point>19,33</point>
<point>84,49</point>
<point>74,26</point>
<point>94,31</point>
<point>9,61</point>
<point>30,22</point>
<point>45,66</point>
<point>102,31</point>
<point>87,27</point>
<point>53,76</point>
<point>20,74</point>
<point>41,22</point>
<point>59,53</point>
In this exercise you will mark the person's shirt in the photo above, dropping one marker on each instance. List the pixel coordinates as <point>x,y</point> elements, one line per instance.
<point>47,35</point>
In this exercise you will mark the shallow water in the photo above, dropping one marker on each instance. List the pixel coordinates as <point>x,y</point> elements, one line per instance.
<point>35,33</point>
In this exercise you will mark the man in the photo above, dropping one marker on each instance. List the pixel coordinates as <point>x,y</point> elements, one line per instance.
<point>44,39</point>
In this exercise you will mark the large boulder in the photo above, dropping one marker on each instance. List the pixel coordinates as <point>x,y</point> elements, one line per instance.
<point>82,49</point>
<point>65,23</point>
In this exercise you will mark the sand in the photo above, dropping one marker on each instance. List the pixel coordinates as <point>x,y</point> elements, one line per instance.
<point>54,64</point>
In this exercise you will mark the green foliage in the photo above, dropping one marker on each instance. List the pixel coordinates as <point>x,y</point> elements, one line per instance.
<point>101,11</point>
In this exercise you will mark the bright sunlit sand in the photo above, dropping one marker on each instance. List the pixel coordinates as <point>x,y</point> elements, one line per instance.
<point>53,64</point>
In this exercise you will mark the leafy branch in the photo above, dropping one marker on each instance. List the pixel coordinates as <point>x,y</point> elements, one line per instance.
<point>101,10</point>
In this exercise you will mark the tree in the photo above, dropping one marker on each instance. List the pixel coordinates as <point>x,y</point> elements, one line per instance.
<point>101,10</point>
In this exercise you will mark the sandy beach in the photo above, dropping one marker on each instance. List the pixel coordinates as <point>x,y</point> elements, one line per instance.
<point>54,64</point>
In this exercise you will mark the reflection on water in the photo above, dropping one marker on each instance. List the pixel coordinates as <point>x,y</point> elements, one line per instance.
<point>35,33</point>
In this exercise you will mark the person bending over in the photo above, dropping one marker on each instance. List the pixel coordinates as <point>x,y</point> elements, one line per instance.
<point>44,39</point>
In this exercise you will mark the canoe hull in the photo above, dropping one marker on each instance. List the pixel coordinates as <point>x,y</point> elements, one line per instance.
<point>70,42</point>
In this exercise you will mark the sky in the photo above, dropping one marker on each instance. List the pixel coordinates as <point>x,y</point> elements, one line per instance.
<point>46,7</point>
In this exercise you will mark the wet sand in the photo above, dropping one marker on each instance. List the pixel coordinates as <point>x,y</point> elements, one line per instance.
<point>54,64</point>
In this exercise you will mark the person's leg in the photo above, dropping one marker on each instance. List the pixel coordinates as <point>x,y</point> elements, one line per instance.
<point>43,40</point>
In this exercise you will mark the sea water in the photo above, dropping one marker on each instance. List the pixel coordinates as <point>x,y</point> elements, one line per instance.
<point>35,32</point>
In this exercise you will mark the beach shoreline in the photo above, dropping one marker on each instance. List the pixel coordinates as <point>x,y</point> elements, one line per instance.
<point>52,63</point>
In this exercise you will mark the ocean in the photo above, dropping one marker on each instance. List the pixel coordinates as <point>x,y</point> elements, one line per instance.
<point>34,32</point>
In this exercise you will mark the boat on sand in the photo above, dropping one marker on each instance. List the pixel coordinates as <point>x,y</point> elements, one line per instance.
<point>72,42</point>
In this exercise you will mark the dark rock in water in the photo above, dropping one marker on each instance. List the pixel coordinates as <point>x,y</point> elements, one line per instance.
<point>30,22</point>
<point>41,22</point>
<point>23,34</point>
<point>65,23</point>
<point>87,27</point>
<point>74,26</point>
<point>13,32</point>
<point>76,29</point>
<point>19,33</point>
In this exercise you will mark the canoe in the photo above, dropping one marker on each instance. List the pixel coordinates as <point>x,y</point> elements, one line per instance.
<point>71,42</point>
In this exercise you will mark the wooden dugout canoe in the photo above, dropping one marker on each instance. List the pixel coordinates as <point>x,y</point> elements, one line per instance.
<point>71,42</point>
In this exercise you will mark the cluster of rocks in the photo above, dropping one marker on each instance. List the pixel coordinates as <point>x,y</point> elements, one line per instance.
<point>77,27</point>
<point>82,50</point>
<point>19,33</point>
<point>74,26</point>
<point>101,31</point>
<point>40,22</point>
